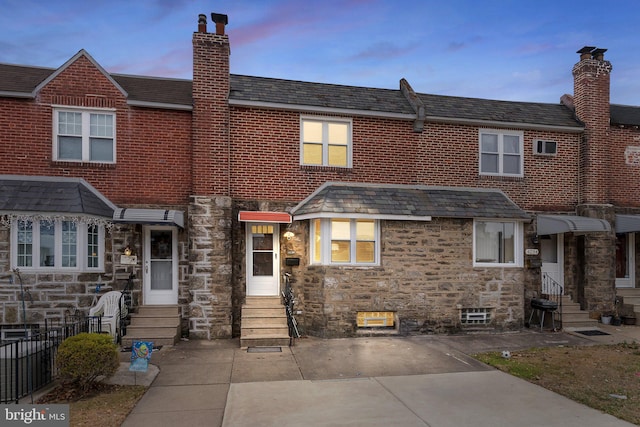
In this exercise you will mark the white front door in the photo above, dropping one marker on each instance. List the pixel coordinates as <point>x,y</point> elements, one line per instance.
<point>160,275</point>
<point>263,268</point>
<point>625,266</point>
<point>552,254</point>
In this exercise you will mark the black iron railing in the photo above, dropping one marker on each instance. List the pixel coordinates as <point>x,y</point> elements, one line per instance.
<point>553,291</point>
<point>28,364</point>
<point>124,308</point>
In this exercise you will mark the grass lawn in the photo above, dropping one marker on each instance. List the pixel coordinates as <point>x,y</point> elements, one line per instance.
<point>103,406</point>
<point>604,377</point>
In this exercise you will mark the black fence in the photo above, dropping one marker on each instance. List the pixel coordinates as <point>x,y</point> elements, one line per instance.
<point>28,356</point>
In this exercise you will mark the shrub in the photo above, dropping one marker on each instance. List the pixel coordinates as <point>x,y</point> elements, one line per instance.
<point>84,358</point>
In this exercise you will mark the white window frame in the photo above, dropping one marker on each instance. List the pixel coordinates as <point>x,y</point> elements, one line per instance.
<point>501,153</point>
<point>325,142</point>
<point>86,137</point>
<point>517,243</point>
<point>325,242</point>
<point>82,248</point>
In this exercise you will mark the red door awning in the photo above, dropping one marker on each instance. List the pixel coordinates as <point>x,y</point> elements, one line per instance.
<point>262,216</point>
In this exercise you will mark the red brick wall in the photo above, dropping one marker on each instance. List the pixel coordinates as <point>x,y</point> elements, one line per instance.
<point>624,172</point>
<point>265,160</point>
<point>210,160</point>
<point>153,147</point>
<point>591,100</point>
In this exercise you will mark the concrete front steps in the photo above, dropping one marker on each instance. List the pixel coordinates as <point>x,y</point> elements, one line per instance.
<point>263,323</point>
<point>573,316</point>
<point>630,296</point>
<point>159,324</point>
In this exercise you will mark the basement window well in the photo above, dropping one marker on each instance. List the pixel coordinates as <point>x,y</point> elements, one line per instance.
<point>475,316</point>
<point>376,319</point>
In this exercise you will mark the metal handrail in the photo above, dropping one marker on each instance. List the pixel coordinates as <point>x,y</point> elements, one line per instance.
<point>553,292</point>
<point>126,300</point>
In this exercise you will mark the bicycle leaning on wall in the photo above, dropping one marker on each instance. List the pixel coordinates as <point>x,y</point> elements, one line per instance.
<point>289,302</point>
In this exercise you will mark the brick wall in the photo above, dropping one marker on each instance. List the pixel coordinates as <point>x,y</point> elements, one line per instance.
<point>591,100</point>
<point>624,153</point>
<point>153,147</point>
<point>265,160</point>
<point>210,157</point>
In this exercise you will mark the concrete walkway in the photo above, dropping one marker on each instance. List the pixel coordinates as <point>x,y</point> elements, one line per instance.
<point>376,381</point>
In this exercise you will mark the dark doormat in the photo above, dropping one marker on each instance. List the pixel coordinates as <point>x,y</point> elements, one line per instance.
<point>264,350</point>
<point>592,332</point>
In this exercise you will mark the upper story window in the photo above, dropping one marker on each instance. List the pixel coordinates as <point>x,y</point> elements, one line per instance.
<point>345,241</point>
<point>325,142</point>
<point>501,153</point>
<point>497,243</point>
<point>57,245</point>
<point>84,136</point>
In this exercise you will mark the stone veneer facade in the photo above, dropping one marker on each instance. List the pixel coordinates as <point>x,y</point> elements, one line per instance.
<point>425,277</point>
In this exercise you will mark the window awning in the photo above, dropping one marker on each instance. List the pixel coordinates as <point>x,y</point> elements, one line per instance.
<point>627,223</point>
<point>263,216</point>
<point>149,216</point>
<point>557,224</point>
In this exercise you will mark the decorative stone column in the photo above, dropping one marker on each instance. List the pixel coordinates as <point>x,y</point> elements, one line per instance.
<point>599,260</point>
<point>210,310</point>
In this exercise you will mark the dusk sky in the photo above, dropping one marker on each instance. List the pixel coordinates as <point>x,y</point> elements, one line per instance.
<point>511,50</point>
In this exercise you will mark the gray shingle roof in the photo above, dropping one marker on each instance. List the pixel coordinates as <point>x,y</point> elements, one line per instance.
<point>625,115</point>
<point>49,194</point>
<point>499,111</point>
<point>24,79</point>
<point>155,89</point>
<point>290,92</point>
<point>343,199</point>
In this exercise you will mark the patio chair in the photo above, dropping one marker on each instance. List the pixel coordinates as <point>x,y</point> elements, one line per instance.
<point>107,310</point>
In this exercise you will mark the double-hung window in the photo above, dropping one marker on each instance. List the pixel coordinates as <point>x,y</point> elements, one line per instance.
<point>84,136</point>
<point>497,243</point>
<point>501,153</point>
<point>325,142</point>
<point>345,241</point>
<point>57,245</point>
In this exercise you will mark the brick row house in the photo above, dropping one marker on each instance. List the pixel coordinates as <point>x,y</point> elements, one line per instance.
<point>391,209</point>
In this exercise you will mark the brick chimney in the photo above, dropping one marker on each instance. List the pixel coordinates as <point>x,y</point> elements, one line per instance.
<point>210,117</point>
<point>591,87</point>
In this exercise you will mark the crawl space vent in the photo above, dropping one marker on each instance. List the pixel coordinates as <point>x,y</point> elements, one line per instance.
<point>475,316</point>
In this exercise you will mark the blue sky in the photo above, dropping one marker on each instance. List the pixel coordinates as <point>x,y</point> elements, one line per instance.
<point>512,50</point>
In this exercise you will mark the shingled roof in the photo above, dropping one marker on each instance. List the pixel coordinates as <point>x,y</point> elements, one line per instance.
<point>20,81</point>
<point>406,202</point>
<point>52,195</point>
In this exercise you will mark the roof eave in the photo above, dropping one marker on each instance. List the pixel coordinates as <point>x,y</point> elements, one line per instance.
<point>160,105</point>
<point>316,109</point>
<point>316,215</point>
<point>10,94</point>
<point>501,124</point>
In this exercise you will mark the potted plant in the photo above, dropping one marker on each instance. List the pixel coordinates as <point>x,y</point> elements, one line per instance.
<point>606,317</point>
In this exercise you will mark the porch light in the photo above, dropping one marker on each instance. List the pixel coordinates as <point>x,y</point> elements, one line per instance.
<point>127,251</point>
<point>289,235</point>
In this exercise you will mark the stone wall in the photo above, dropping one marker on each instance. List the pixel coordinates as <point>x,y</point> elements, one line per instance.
<point>210,265</point>
<point>52,296</point>
<point>599,261</point>
<point>49,296</point>
<point>426,277</point>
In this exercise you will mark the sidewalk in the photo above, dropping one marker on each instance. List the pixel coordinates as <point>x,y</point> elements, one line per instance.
<point>379,381</point>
